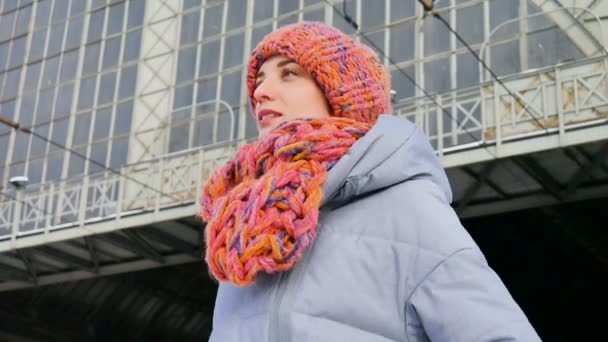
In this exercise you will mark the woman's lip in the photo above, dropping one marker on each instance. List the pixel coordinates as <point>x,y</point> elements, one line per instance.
<point>266,112</point>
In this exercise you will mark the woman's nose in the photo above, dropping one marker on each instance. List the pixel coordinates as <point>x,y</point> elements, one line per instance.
<point>265,91</point>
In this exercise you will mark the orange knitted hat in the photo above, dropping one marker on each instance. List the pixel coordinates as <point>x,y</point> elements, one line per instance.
<point>355,84</point>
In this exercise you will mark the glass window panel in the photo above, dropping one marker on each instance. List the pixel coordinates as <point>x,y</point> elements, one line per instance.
<point>11,85</point>
<point>505,58</point>
<point>467,69</point>
<point>203,129</point>
<point>31,77</point>
<point>82,125</point>
<point>179,138</point>
<point>183,96</point>
<point>115,19</point>
<point>23,20</point>
<point>190,27</point>
<point>186,64</point>
<point>210,54</point>
<point>49,75</point>
<point>236,13</point>
<point>374,13</point>
<point>96,25</point>
<point>122,121</point>
<point>9,5</point>
<point>118,157</point>
<point>60,10</point>
<point>402,9</point>
<point>45,104</point>
<point>60,133</point>
<point>136,13</point>
<point>17,169</point>
<point>377,42</point>
<point>436,36</point>
<point>259,33</point>
<point>3,150</point>
<point>231,88</point>
<point>213,21</point>
<point>42,13</point>
<point>87,91</point>
<point>7,109</point>
<point>501,11</point>
<point>103,119</point>
<point>401,84</point>
<point>55,39</point>
<point>106,88</point>
<point>98,3</point>
<point>77,7</point>
<point>262,10</point>
<point>91,58</point>
<point>402,42</point>
<point>7,22</point>
<point>191,4</point>
<point>18,52</point>
<point>291,19</point>
<point>311,2</point>
<point>132,46</point>
<point>53,167</point>
<point>437,75</point>
<point>63,103</point>
<point>98,154</point>
<point>111,52</point>
<point>20,148</point>
<point>76,165</point>
<point>206,90</point>
<point>286,6</point>
<point>127,82</point>
<point>316,15</point>
<point>37,45</point>
<point>34,172</point>
<point>74,33</point>
<point>342,24</point>
<point>233,51</point>
<point>3,55</point>
<point>69,64</point>
<point>38,146</point>
<point>469,23</point>
<point>26,114</point>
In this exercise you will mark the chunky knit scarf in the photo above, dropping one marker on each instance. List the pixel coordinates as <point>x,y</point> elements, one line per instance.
<point>262,207</point>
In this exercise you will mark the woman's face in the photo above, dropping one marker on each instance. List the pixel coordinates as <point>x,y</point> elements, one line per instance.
<point>285,91</point>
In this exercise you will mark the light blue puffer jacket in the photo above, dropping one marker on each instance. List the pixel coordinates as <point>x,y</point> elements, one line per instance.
<point>391,261</point>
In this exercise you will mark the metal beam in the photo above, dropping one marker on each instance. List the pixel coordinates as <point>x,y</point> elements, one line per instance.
<point>540,175</point>
<point>585,171</point>
<point>64,257</point>
<point>170,240</point>
<point>129,245</point>
<point>481,179</point>
<point>14,273</point>
<point>92,247</point>
<point>27,262</point>
<point>151,252</point>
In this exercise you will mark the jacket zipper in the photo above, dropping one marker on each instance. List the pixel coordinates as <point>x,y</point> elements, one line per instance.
<point>274,330</point>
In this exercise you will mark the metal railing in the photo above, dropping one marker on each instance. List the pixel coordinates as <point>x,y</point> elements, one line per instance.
<point>562,97</point>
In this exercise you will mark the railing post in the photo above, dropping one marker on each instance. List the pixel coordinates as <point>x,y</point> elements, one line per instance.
<point>16,218</point>
<point>82,203</point>
<point>497,121</point>
<point>560,109</point>
<point>49,212</point>
<point>440,127</point>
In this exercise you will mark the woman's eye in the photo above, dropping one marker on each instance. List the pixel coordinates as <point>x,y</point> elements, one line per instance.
<point>288,72</point>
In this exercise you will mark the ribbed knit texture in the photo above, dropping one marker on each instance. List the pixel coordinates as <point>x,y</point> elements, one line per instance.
<point>262,207</point>
<point>355,84</point>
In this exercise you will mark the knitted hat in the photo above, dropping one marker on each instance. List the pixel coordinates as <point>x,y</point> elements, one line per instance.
<point>355,84</point>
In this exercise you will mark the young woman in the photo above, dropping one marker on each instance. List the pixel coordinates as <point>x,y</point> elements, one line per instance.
<point>336,225</point>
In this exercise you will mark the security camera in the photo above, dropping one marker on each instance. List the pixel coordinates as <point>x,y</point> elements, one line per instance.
<point>19,181</point>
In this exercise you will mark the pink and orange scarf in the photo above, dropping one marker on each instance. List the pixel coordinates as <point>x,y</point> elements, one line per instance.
<point>262,206</point>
